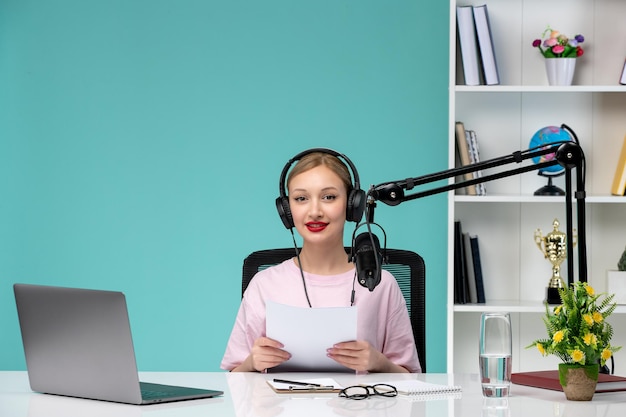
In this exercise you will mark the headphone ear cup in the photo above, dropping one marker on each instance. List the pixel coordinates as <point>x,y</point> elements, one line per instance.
<point>356,205</point>
<point>282,205</point>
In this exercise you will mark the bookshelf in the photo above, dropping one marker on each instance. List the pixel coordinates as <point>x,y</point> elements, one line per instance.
<point>505,117</point>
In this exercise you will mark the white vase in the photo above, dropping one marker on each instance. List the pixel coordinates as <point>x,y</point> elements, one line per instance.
<point>560,70</point>
<point>616,284</point>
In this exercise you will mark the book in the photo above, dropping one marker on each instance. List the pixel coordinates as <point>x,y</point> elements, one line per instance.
<point>472,143</point>
<point>459,265</point>
<point>464,156</point>
<point>469,268</point>
<point>478,270</point>
<point>550,380</point>
<point>485,45</point>
<point>417,387</point>
<point>468,44</point>
<point>622,79</point>
<point>619,180</point>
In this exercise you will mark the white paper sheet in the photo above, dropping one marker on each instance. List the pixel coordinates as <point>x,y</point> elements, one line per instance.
<point>307,333</point>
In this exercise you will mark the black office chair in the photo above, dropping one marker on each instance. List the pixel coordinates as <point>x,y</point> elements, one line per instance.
<point>407,267</point>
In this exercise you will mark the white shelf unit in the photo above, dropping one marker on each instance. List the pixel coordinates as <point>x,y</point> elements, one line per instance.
<point>505,117</point>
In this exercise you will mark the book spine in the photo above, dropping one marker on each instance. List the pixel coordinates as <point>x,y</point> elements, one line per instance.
<point>468,44</point>
<point>468,143</point>
<point>619,180</point>
<point>475,157</point>
<point>478,270</point>
<point>469,268</point>
<point>459,274</point>
<point>464,157</point>
<point>485,43</point>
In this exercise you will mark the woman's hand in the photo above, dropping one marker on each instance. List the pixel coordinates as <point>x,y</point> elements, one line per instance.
<point>266,353</point>
<point>361,356</point>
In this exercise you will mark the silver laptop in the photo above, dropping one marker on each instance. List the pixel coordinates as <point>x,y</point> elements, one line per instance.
<point>78,343</point>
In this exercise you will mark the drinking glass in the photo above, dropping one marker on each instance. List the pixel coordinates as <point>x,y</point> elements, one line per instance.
<point>495,354</point>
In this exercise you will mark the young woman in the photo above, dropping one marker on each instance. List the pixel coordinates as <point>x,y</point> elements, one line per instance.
<point>320,197</point>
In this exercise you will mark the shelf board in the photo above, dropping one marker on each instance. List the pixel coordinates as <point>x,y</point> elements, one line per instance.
<point>512,306</point>
<point>618,88</point>
<point>501,198</point>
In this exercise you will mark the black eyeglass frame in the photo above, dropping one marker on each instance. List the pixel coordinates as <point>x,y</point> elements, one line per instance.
<point>368,391</point>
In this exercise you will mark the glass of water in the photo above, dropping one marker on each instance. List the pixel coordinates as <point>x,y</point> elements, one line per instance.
<point>495,354</point>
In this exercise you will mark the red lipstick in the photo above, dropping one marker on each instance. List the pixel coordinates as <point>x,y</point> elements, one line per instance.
<point>316,226</point>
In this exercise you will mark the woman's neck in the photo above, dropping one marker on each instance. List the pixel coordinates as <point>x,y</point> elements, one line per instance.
<point>324,260</point>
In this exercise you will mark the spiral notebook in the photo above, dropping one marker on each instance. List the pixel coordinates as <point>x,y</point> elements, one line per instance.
<point>417,387</point>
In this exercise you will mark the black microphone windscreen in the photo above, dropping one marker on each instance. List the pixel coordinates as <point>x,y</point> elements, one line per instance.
<point>368,260</point>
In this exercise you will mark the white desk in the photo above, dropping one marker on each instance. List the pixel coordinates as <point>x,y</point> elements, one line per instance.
<point>248,395</point>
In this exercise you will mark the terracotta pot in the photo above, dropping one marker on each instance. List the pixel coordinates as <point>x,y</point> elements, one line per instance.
<point>578,381</point>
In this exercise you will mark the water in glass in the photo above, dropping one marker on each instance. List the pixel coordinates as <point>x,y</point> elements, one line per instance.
<point>495,354</point>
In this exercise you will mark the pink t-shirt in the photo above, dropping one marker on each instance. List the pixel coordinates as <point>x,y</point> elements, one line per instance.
<point>382,317</point>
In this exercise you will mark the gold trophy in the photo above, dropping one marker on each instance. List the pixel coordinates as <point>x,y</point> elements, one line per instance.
<point>554,247</point>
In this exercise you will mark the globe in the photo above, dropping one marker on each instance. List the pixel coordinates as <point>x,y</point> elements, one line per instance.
<point>545,137</point>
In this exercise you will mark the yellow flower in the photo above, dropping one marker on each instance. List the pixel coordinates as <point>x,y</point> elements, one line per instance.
<point>590,339</point>
<point>541,349</point>
<point>577,330</point>
<point>578,356</point>
<point>597,317</point>
<point>558,336</point>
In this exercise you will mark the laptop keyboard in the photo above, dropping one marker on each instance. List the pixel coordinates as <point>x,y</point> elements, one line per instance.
<point>151,395</point>
<point>153,391</point>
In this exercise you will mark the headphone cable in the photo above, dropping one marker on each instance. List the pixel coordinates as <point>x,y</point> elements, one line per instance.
<point>306,293</point>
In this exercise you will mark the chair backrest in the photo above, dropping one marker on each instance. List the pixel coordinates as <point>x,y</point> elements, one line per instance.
<point>407,267</point>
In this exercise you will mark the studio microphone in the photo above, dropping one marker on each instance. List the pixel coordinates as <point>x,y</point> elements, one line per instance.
<point>368,260</point>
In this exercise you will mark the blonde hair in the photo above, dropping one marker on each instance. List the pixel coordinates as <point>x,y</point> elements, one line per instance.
<point>316,159</point>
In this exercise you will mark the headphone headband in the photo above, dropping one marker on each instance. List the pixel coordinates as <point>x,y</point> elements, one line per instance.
<point>356,196</point>
<point>283,174</point>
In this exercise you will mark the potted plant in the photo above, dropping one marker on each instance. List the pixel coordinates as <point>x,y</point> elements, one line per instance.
<point>580,336</point>
<point>560,52</point>
<point>557,45</point>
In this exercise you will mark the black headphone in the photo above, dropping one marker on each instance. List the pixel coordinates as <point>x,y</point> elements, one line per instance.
<point>356,196</point>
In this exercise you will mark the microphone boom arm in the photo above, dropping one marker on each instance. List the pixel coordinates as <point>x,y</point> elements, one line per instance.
<point>568,154</point>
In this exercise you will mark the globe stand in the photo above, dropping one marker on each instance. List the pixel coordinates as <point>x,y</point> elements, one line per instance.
<point>549,189</point>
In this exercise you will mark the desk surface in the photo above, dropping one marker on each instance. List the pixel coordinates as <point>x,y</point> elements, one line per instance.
<point>248,395</point>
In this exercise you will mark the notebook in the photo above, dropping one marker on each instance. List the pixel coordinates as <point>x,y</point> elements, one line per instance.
<point>550,380</point>
<point>78,343</point>
<point>417,387</point>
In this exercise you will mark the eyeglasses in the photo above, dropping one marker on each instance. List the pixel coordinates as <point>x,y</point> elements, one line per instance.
<point>361,392</point>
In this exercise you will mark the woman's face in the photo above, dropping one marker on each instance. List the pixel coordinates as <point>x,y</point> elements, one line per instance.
<point>318,199</point>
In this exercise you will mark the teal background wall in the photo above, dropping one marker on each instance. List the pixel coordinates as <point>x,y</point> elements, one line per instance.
<point>141,143</point>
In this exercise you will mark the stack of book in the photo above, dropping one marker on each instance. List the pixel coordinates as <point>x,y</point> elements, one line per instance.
<point>468,275</point>
<point>476,44</point>
<point>468,153</point>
